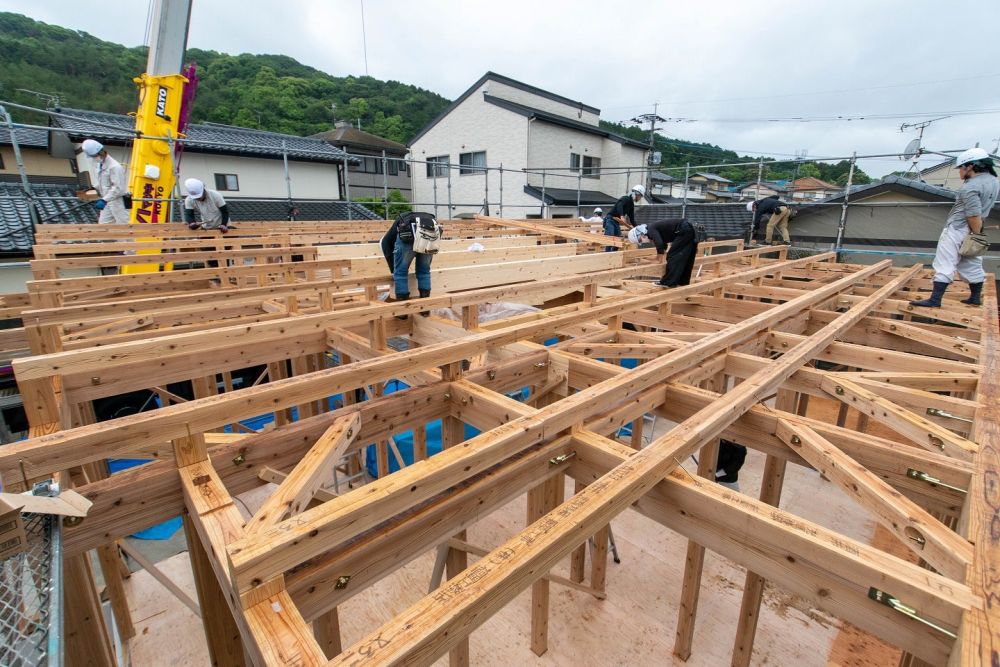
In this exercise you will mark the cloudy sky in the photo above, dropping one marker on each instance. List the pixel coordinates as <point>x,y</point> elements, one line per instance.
<point>728,71</point>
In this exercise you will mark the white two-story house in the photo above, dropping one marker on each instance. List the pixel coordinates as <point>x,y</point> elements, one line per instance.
<point>557,161</point>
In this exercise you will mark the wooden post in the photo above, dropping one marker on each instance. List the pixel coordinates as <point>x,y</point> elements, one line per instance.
<point>327,631</point>
<point>541,500</point>
<point>87,643</point>
<point>578,559</point>
<point>225,646</point>
<point>753,587</point>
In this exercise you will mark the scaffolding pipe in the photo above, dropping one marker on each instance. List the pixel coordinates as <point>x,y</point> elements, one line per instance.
<point>687,176</point>
<point>385,183</point>
<point>25,185</point>
<point>542,212</point>
<point>288,178</point>
<point>449,193</point>
<point>842,226</point>
<point>347,190</point>
<point>500,212</point>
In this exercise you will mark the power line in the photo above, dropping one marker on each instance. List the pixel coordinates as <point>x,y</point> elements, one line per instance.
<point>838,118</point>
<point>819,92</point>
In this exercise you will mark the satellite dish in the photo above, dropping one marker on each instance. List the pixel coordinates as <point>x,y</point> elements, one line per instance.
<point>912,149</point>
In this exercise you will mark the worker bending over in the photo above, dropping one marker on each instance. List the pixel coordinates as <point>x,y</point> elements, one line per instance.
<point>622,214</point>
<point>680,234</point>
<point>210,205</point>
<point>973,203</point>
<point>779,213</point>
<point>111,185</point>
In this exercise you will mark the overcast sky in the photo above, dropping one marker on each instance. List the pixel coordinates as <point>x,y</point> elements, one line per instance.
<point>725,70</point>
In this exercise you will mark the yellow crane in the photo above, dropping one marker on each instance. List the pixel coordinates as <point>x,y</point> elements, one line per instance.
<point>161,99</point>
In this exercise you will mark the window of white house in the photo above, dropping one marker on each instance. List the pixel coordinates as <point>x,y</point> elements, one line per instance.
<point>227,182</point>
<point>574,162</point>
<point>438,166</point>
<point>392,166</point>
<point>591,167</point>
<point>471,163</point>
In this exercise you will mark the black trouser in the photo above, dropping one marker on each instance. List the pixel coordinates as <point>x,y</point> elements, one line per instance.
<point>680,257</point>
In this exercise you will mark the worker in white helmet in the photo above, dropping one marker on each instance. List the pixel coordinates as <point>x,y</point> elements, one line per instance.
<point>210,205</point>
<point>111,183</point>
<point>973,203</point>
<point>596,220</point>
<point>622,214</point>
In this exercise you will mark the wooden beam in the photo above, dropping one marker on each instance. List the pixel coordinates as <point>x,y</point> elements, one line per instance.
<point>308,476</point>
<point>921,431</point>
<point>287,544</point>
<point>947,552</point>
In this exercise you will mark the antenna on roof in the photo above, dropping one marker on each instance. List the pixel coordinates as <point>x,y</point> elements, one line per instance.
<point>914,149</point>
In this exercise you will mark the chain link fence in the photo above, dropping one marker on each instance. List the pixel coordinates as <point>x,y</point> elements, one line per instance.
<point>31,597</point>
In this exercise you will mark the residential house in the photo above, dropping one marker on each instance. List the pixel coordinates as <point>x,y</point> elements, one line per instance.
<point>38,164</point>
<point>765,189</point>
<point>812,189</point>
<point>381,166</point>
<point>557,160</point>
<point>897,215</point>
<point>247,166</point>
<point>943,175</point>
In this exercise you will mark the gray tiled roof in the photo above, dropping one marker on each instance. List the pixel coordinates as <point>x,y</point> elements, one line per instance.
<point>659,176</point>
<point>945,163</point>
<point>711,176</point>
<point>277,209</point>
<point>722,221</point>
<point>25,137</point>
<point>57,205</point>
<point>567,196</point>
<point>202,137</point>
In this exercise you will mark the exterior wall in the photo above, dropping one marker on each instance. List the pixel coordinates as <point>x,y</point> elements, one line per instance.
<point>945,177</point>
<point>264,178</point>
<point>258,178</point>
<point>474,126</point>
<point>37,162</point>
<point>751,192</point>
<point>539,102</point>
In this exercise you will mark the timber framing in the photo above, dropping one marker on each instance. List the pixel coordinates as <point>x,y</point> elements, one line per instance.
<point>738,354</point>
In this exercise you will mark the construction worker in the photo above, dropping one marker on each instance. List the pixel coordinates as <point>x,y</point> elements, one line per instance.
<point>405,229</point>
<point>596,220</point>
<point>973,203</point>
<point>622,214</point>
<point>111,184</point>
<point>779,213</point>
<point>732,456</point>
<point>210,205</point>
<point>680,234</point>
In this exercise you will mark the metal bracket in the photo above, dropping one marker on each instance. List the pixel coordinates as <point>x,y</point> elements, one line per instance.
<point>938,412</point>
<point>342,582</point>
<point>933,481</point>
<point>889,601</point>
<point>556,460</point>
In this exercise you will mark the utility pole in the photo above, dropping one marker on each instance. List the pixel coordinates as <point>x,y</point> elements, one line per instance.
<point>650,118</point>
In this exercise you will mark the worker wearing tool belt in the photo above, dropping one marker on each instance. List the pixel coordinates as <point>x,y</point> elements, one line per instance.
<point>962,243</point>
<point>111,184</point>
<point>681,236</point>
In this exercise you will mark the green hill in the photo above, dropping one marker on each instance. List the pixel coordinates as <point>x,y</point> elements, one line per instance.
<point>269,92</point>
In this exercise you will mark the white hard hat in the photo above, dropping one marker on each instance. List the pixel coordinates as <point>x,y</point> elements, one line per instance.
<point>598,210</point>
<point>750,205</point>
<point>92,147</point>
<point>635,233</point>
<point>972,155</point>
<point>194,187</point>
<point>641,189</point>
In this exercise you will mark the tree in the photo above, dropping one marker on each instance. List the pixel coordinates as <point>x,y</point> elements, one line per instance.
<point>809,170</point>
<point>398,203</point>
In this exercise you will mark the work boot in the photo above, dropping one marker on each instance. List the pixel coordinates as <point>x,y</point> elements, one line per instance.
<point>402,297</point>
<point>975,299</point>
<point>935,299</point>
<point>424,293</point>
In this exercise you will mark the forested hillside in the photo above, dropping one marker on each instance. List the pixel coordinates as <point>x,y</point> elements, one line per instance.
<point>269,92</point>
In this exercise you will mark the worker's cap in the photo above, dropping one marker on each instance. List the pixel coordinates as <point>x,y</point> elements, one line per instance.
<point>598,210</point>
<point>92,148</point>
<point>750,205</point>
<point>194,187</point>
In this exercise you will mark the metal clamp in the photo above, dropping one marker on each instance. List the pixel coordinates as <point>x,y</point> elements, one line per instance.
<point>938,412</point>
<point>893,603</point>
<point>933,481</point>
